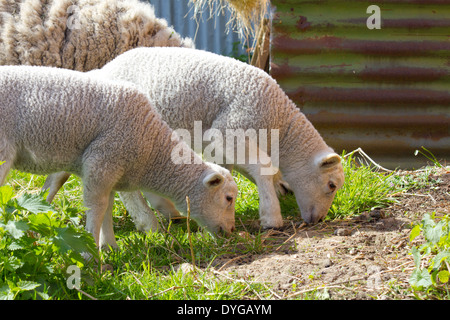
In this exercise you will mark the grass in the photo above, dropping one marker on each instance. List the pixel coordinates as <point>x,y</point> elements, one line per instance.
<point>147,266</point>
<point>365,189</point>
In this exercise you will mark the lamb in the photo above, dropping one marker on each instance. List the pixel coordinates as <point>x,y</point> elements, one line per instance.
<point>78,34</point>
<point>108,134</point>
<point>193,85</point>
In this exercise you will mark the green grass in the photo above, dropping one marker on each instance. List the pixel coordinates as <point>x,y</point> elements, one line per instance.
<point>146,265</point>
<point>364,189</point>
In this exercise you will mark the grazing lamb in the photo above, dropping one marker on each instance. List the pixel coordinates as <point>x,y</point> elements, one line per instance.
<point>193,85</point>
<point>108,134</point>
<point>79,34</point>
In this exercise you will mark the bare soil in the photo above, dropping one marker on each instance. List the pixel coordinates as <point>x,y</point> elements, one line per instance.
<point>364,257</point>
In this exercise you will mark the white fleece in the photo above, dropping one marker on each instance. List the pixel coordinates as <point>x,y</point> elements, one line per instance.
<point>108,134</point>
<point>187,85</point>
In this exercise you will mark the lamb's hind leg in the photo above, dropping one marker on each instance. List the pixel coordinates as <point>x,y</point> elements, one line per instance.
<point>163,205</point>
<point>142,215</point>
<point>53,183</point>
<point>5,165</point>
<point>6,159</point>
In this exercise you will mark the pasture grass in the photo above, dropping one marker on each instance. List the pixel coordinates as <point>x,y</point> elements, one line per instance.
<point>147,266</point>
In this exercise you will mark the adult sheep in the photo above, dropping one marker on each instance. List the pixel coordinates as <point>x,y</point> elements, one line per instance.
<point>108,134</point>
<point>78,34</point>
<point>193,85</point>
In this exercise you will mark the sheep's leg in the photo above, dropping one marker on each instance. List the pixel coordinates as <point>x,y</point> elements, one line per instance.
<point>107,230</point>
<point>163,205</point>
<point>97,205</point>
<point>53,183</point>
<point>6,157</point>
<point>142,214</point>
<point>263,175</point>
<point>4,169</point>
<point>269,206</point>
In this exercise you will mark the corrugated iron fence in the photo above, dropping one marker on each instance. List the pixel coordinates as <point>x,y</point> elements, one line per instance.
<point>210,34</point>
<point>385,90</point>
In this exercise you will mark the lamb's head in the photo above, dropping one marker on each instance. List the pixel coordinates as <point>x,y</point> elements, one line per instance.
<point>315,184</point>
<point>212,204</point>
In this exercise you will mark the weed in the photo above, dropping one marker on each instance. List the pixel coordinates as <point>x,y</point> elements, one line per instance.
<point>432,258</point>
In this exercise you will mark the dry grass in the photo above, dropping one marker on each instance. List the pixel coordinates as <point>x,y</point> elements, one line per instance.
<point>247,15</point>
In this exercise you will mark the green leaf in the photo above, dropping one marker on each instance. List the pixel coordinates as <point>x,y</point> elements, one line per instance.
<point>414,233</point>
<point>69,239</point>
<point>15,246</point>
<point>420,279</point>
<point>443,276</point>
<point>16,228</point>
<point>6,194</point>
<point>416,255</point>
<point>42,223</point>
<point>13,263</point>
<point>34,203</point>
<point>6,293</point>
<point>437,260</point>
<point>27,285</point>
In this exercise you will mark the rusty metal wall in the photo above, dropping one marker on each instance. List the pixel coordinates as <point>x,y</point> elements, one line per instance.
<point>385,90</point>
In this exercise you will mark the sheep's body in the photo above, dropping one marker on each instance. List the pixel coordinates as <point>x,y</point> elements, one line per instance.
<point>193,85</point>
<point>108,134</point>
<point>78,34</point>
<point>83,35</point>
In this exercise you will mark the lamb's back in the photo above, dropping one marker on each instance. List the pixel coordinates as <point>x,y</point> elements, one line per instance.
<point>187,85</point>
<point>52,115</point>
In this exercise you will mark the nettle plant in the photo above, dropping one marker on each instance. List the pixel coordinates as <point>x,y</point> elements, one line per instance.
<point>37,244</point>
<point>432,258</point>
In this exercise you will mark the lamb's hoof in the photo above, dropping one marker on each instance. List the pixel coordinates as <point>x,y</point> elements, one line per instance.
<point>275,226</point>
<point>177,220</point>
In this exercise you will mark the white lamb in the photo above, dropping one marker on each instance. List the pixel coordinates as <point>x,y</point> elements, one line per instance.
<point>107,133</point>
<point>187,85</point>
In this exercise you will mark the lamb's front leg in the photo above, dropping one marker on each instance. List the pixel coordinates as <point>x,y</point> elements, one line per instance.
<point>107,230</point>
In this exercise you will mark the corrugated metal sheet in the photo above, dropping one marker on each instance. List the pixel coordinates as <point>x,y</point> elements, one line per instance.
<point>210,34</point>
<point>385,90</point>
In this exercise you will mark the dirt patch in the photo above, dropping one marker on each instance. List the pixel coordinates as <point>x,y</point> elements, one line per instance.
<point>364,257</point>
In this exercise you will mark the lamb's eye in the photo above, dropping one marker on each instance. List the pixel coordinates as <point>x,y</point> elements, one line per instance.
<point>331,186</point>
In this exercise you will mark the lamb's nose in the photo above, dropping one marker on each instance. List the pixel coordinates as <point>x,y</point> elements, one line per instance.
<point>226,232</point>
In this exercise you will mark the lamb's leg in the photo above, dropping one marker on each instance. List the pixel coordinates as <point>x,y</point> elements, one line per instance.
<point>163,205</point>
<point>6,159</point>
<point>4,169</point>
<point>142,214</point>
<point>53,183</point>
<point>263,176</point>
<point>97,200</point>
<point>107,230</point>
<point>269,206</point>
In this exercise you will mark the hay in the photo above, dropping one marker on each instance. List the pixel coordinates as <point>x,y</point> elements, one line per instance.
<point>246,15</point>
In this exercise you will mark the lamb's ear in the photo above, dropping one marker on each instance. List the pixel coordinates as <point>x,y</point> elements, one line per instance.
<point>329,161</point>
<point>212,180</point>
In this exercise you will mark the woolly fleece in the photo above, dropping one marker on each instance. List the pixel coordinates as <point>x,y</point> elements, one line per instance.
<point>187,85</point>
<point>108,134</point>
<point>79,34</point>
